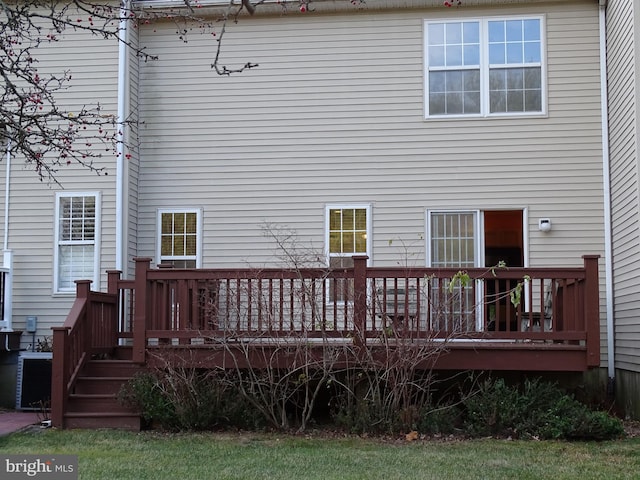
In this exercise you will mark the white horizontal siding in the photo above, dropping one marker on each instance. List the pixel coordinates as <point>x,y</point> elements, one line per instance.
<point>92,63</point>
<point>334,113</point>
<point>624,180</point>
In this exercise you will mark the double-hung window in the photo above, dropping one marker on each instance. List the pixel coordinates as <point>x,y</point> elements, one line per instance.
<point>484,67</point>
<point>76,255</point>
<point>348,234</point>
<point>453,77</point>
<point>179,237</point>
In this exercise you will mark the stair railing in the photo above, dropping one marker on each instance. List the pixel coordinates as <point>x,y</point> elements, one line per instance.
<point>90,328</point>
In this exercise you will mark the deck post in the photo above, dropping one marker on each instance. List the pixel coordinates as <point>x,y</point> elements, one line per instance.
<point>59,376</point>
<point>360,297</point>
<point>140,310</point>
<point>113,276</point>
<point>592,309</point>
<point>83,288</point>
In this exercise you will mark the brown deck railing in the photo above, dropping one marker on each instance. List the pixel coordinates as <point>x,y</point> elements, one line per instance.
<point>190,306</point>
<point>543,308</point>
<point>90,328</point>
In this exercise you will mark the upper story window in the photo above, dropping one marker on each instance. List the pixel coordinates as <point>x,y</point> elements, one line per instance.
<point>179,238</point>
<point>484,67</point>
<point>77,233</point>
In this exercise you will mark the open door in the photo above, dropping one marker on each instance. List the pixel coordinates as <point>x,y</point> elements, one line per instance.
<point>503,238</point>
<point>473,238</point>
<point>503,242</point>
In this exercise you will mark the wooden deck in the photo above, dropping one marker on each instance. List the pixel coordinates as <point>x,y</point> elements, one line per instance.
<point>533,319</point>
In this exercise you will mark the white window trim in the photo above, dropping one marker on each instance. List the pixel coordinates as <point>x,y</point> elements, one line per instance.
<point>328,254</point>
<point>334,206</point>
<point>199,242</point>
<point>96,243</point>
<point>484,68</point>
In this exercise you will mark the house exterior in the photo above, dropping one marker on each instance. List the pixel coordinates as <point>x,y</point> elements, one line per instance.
<point>33,245</point>
<point>623,28</point>
<point>415,134</point>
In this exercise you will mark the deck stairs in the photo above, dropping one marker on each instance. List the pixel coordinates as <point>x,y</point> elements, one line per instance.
<point>93,403</point>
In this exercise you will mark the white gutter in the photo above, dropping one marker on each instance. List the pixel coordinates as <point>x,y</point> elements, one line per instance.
<point>608,247</point>
<point>277,7</point>
<point>7,257</point>
<point>120,157</point>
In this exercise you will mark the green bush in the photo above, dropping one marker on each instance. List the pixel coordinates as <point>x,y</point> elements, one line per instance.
<point>369,405</point>
<point>143,394</point>
<point>492,410</point>
<point>187,399</point>
<point>364,416</point>
<point>361,416</point>
<point>370,414</point>
<point>443,419</point>
<point>539,409</point>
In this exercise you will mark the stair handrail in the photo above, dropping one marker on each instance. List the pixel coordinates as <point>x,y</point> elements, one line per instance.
<point>73,344</point>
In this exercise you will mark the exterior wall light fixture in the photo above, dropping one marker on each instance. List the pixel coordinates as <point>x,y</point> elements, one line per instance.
<point>544,224</point>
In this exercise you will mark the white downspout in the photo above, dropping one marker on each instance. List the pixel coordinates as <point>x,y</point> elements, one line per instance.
<point>7,257</point>
<point>7,186</point>
<point>120,157</point>
<point>608,247</point>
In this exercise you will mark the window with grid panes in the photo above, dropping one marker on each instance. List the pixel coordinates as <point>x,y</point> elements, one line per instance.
<point>453,243</point>
<point>453,239</point>
<point>484,67</point>
<point>179,238</point>
<point>76,256</point>
<point>348,235</point>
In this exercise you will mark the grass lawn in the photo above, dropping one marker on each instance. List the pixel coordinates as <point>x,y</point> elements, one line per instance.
<point>117,455</point>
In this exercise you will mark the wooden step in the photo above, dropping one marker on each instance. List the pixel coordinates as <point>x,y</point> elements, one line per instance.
<point>93,420</point>
<point>96,385</point>
<point>101,402</point>
<point>94,404</point>
<point>111,368</point>
<point>122,353</point>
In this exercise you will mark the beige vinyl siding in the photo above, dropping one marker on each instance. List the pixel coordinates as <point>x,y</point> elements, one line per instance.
<point>334,114</point>
<point>132,165</point>
<point>93,65</point>
<point>623,117</point>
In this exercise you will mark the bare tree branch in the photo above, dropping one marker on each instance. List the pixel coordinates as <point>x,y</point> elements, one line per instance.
<point>34,123</point>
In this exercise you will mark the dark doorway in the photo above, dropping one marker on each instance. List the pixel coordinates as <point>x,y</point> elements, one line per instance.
<point>503,241</point>
<point>503,238</point>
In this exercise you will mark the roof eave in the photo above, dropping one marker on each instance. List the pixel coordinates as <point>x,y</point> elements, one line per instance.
<point>277,6</point>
